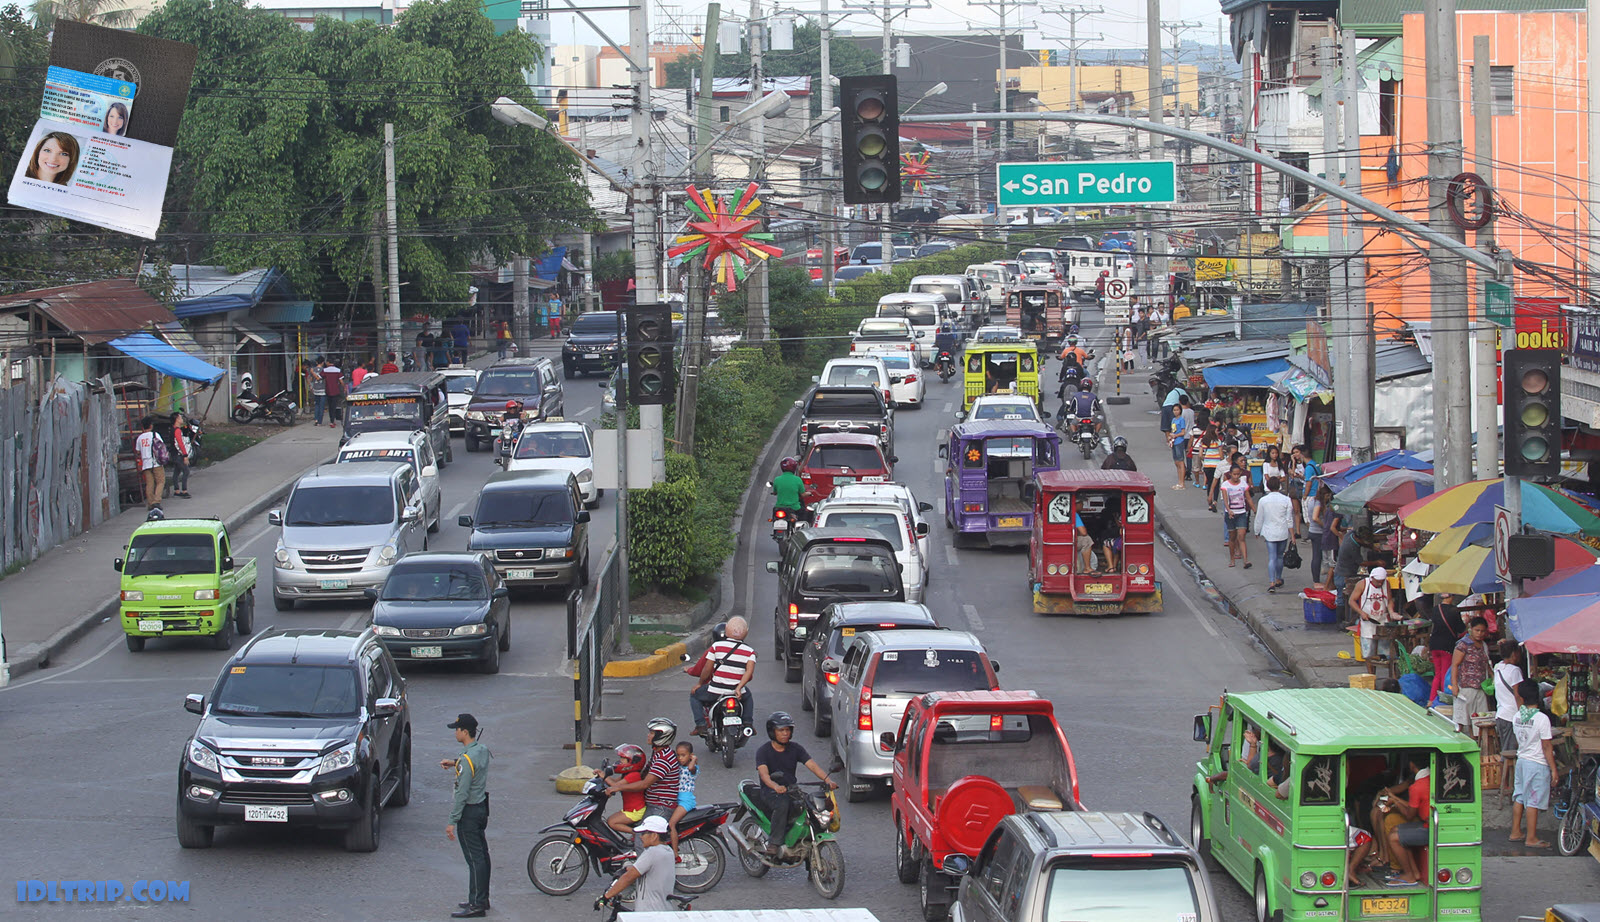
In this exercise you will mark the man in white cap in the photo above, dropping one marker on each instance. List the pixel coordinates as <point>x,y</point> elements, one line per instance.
<point>1373,606</point>
<point>654,869</point>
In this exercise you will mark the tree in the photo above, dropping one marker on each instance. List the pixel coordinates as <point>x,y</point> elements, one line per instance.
<point>794,303</point>
<point>113,14</point>
<point>845,59</point>
<point>279,161</point>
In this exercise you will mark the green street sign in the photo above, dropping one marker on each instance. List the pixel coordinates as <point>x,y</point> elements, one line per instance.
<point>1497,304</point>
<point>1088,182</point>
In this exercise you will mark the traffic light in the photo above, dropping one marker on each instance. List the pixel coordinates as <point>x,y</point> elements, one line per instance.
<point>650,377</point>
<point>869,112</point>
<point>1533,412</point>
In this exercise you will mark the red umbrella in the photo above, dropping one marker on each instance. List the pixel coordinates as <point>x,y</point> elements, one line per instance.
<point>1392,499</point>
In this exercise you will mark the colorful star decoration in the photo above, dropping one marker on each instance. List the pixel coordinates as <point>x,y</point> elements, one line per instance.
<point>722,235</point>
<point>914,169</point>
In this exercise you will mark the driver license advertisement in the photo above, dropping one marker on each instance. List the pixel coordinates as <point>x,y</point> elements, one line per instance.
<point>109,181</point>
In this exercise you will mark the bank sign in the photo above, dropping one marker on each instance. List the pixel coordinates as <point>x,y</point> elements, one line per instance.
<point>1090,182</point>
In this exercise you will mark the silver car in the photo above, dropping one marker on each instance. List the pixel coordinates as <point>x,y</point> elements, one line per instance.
<point>880,674</point>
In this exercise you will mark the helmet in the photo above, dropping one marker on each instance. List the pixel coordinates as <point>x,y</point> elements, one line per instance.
<point>720,632</point>
<point>513,405</point>
<point>155,514</point>
<point>777,720</point>
<point>630,758</point>
<point>789,465</point>
<point>1104,273</point>
<point>1072,340</point>
<point>1119,444</point>
<point>1087,383</point>
<point>662,732</point>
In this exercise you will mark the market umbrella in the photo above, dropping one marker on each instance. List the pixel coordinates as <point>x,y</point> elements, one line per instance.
<point>1446,544</point>
<point>1393,460</point>
<point>1359,494</point>
<point>1543,509</point>
<point>1557,623</point>
<point>1472,568</point>
<point>1573,581</point>
<point>1401,494</point>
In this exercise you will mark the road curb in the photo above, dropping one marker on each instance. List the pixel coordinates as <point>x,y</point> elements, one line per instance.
<point>38,656</point>
<point>660,661</point>
<point>726,586</point>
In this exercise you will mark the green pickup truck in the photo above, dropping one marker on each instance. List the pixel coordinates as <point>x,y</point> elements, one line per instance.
<point>181,580</point>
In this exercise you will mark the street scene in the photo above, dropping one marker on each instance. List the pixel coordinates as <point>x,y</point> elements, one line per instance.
<point>1025,462</point>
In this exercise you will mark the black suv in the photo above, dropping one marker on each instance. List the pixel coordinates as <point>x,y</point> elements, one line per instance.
<point>593,344</point>
<point>845,409</point>
<point>529,381</point>
<point>817,567</point>
<point>534,526</point>
<point>304,727</point>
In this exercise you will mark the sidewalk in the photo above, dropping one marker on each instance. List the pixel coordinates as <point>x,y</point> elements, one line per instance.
<point>61,596</point>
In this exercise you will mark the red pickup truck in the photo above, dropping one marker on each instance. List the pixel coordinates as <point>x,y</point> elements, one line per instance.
<point>962,762</point>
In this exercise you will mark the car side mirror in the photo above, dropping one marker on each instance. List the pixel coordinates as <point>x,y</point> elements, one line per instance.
<point>412,514</point>
<point>922,529</point>
<point>500,592</point>
<point>1202,728</point>
<point>370,594</point>
<point>816,379</point>
<point>925,507</point>
<point>830,666</point>
<point>886,739</point>
<point>117,564</point>
<point>995,666</point>
<point>465,521</point>
<point>956,865</point>
<point>430,470</point>
<point>582,517</point>
<point>893,459</point>
<point>772,566</point>
<point>961,416</point>
<point>227,563</point>
<point>194,704</point>
<point>799,404</point>
<point>386,707</point>
<point>275,517</point>
<point>552,389</point>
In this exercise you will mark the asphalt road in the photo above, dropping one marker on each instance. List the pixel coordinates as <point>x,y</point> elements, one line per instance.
<point>94,741</point>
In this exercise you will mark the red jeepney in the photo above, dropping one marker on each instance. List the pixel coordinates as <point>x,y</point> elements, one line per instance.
<point>1092,551</point>
<point>834,458</point>
<point>814,263</point>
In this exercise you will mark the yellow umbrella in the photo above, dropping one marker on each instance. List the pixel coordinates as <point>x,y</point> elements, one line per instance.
<point>1458,574</point>
<point>1446,544</point>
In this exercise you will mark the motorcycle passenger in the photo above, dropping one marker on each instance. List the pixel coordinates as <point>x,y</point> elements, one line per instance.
<point>1119,459</point>
<point>944,342</point>
<point>629,768</point>
<point>654,870</point>
<point>660,781</point>
<point>788,489</point>
<point>731,665</point>
<point>777,762</point>
<point>1072,348</point>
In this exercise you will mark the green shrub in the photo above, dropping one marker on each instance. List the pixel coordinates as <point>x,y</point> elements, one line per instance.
<point>658,519</point>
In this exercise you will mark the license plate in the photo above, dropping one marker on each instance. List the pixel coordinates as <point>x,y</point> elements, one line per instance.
<point>427,652</point>
<point>1010,521</point>
<point>522,574</point>
<point>266,814</point>
<point>1098,588</point>
<point>732,721</point>
<point>872,480</point>
<point>839,480</point>
<point>152,626</point>
<point>1385,905</point>
<point>333,584</point>
<point>591,355</point>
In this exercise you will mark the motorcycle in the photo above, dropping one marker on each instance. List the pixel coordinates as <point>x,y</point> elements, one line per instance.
<point>783,520</point>
<point>809,840</point>
<point>559,863</point>
<point>247,408</point>
<point>1080,429</point>
<point>506,442</point>
<point>727,728</point>
<point>947,366</point>
<point>1165,379</point>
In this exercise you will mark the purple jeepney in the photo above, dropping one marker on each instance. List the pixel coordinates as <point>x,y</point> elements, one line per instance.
<point>988,477</point>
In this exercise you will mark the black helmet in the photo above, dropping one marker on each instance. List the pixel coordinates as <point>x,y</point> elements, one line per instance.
<point>155,514</point>
<point>720,632</point>
<point>777,720</point>
<point>1119,444</point>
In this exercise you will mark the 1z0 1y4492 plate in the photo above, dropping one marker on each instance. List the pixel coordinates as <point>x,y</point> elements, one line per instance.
<point>151,626</point>
<point>427,652</point>
<point>266,814</point>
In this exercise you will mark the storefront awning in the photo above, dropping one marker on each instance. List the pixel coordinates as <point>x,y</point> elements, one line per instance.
<point>163,358</point>
<point>252,331</point>
<point>1246,374</point>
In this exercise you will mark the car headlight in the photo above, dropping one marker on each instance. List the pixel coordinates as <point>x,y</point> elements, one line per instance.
<point>202,757</point>
<point>388,554</point>
<point>471,630</point>
<point>561,553</point>
<point>343,757</point>
<point>132,595</point>
<point>202,594</point>
<point>476,415</point>
<point>384,630</point>
<point>282,559</point>
<point>585,476</point>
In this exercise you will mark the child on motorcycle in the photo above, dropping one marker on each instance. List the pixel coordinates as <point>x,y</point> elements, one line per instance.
<point>688,770</point>
<point>629,768</point>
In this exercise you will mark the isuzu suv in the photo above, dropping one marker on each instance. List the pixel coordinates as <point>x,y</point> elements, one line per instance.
<point>303,727</point>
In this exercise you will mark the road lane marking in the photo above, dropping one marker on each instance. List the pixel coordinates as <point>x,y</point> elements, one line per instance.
<point>938,465</point>
<point>70,670</point>
<point>973,620</point>
<point>949,405</point>
<point>355,616</point>
<point>451,515</point>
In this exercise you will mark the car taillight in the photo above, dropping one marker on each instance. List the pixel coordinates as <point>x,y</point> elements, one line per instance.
<point>1444,875</point>
<point>794,616</point>
<point>995,721</point>
<point>864,710</point>
<point>805,475</point>
<point>833,678</point>
<point>911,379</point>
<point>972,507</point>
<point>1328,878</point>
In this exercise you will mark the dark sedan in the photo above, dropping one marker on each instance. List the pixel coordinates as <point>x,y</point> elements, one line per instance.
<point>831,635</point>
<point>444,606</point>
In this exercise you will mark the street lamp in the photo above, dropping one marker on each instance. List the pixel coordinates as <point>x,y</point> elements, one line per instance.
<point>938,89</point>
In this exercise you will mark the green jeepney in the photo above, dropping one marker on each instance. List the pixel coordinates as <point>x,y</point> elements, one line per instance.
<point>179,579</point>
<point>1286,838</point>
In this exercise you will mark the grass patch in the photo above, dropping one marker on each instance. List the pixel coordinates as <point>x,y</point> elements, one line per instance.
<point>651,641</point>
<point>220,446</point>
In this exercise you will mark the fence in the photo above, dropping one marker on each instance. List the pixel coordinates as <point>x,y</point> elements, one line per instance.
<point>591,633</point>
<point>58,465</point>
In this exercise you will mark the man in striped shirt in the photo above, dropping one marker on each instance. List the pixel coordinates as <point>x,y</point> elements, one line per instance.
<point>660,781</point>
<point>726,669</point>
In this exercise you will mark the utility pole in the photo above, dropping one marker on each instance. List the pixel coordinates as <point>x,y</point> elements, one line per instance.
<point>1338,305</point>
<point>1176,28</point>
<point>1355,267</point>
<point>1488,358</point>
<point>1073,14</point>
<point>391,326</point>
<point>1447,277</point>
<point>830,224</point>
<point>1002,130</point>
<point>695,325</point>
<point>757,323</point>
<point>521,334</point>
<point>1155,259</point>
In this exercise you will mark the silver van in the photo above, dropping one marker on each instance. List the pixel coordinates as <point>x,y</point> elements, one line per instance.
<point>344,527</point>
<point>880,674</point>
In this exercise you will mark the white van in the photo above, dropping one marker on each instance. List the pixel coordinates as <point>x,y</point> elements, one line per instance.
<point>1086,267</point>
<point>925,310</point>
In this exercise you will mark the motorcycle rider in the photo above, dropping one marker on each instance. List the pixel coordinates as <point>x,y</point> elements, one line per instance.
<point>1073,349</point>
<point>660,781</point>
<point>1085,405</point>
<point>510,425</point>
<point>777,762</point>
<point>1119,459</point>
<point>788,488</point>
<point>731,664</point>
<point>654,869</point>
<point>944,342</point>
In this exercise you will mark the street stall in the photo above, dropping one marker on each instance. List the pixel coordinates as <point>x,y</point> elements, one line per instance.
<point>1238,380</point>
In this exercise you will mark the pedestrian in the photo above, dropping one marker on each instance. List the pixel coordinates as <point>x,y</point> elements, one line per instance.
<point>502,335</point>
<point>1272,464</point>
<point>652,874</point>
<point>319,388</point>
<point>1537,771</point>
<point>1446,629</point>
<point>359,373</point>
<point>152,459</point>
<point>333,383</point>
<point>422,352</point>
<point>1178,438</point>
<point>1296,486</point>
<point>1236,508</point>
<point>441,350</point>
<point>469,813</point>
<point>1320,515</point>
<point>182,451</point>
<point>1374,606</point>
<point>1469,666</point>
<point>1170,407</point>
<point>461,335</point>
<point>1100,289</point>
<point>389,366</point>
<point>1275,525</point>
<point>1507,676</point>
<point>1353,546</point>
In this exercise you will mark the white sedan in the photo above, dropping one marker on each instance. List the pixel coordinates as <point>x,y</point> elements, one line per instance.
<point>558,445</point>
<point>907,384</point>
<point>1001,406</point>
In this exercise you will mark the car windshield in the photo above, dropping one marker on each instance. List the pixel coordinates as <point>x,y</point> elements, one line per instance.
<point>288,691</point>
<point>920,314</point>
<point>883,330</point>
<point>833,403</point>
<point>1037,256</point>
<point>887,523</point>
<point>460,384</point>
<point>595,325</point>
<point>896,361</point>
<point>844,458</point>
<point>361,409</point>
<point>170,555</point>
<point>497,382</point>
<point>852,375</point>
<point>552,445</point>
<point>1131,891</point>
<point>841,568</point>
<point>340,505</point>
<point>838,636</point>
<point>906,672</point>
<point>523,508</point>
<point>433,583</point>
<point>1018,410</point>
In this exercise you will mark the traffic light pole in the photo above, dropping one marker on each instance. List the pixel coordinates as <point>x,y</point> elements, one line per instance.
<point>885,233</point>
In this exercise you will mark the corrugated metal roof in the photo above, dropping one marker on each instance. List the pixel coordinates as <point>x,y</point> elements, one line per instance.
<point>1399,360</point>
<point>1382,17</point>
<point>95,312</point>
<point>202,290</point>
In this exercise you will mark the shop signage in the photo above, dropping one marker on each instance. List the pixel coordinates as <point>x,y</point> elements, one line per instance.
<point>1540,324</point>
<point>1497,307</point>
<point>1583,340</point>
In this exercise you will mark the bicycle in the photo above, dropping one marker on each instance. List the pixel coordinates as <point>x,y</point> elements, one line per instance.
<point>1577,790</point>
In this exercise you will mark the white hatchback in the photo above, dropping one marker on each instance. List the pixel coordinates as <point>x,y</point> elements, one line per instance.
<point>558,445</point>
<point>890,517</point>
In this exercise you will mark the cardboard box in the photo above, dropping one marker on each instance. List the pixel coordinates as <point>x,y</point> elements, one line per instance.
<point>1364,680</point>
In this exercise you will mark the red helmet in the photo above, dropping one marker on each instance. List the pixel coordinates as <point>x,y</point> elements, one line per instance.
<point>513,405</point>
<point>630,758</point>
<point>1104,273</point>
<point>789,465</point>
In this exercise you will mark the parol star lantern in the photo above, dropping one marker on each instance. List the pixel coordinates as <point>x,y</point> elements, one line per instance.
<point>725,238</point>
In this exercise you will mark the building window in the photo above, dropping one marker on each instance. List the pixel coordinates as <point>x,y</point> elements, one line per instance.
<point>724,113</point>
<point>1169,88</point>
<point>1388,91</point>
<point>1502,89</point>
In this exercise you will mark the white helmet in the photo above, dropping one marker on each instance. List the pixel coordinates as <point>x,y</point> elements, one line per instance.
<point>662,732</point>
